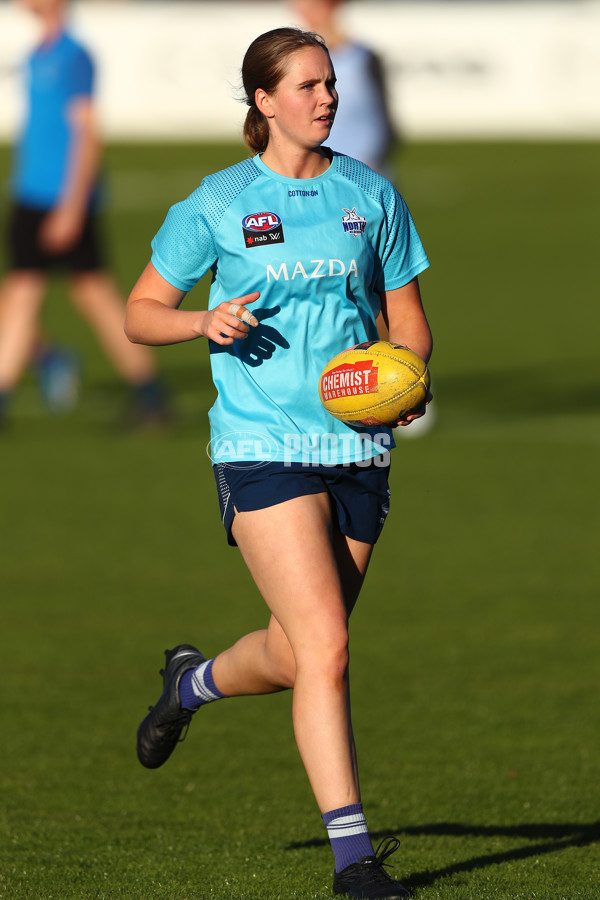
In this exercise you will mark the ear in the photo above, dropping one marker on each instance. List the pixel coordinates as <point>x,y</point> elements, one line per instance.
<point>263,103</point>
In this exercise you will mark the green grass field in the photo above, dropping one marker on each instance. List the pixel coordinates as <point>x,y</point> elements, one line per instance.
<point>475,645</point>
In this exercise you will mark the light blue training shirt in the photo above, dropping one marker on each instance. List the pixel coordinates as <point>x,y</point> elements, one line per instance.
<point>319,251</point>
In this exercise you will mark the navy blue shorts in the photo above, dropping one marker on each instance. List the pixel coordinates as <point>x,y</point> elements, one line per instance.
<point>25,252</point>
<point>359,494</point>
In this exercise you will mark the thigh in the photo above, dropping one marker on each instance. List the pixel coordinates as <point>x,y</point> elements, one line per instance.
<point>352,558</point>
<point>245,487</point>
<point>289,550</point>
<point>21,296</point>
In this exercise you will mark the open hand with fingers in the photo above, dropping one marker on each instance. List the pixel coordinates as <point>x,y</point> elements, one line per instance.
<point>230,320</point>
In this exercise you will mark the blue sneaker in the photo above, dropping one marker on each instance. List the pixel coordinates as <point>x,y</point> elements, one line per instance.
<point>60,379</point>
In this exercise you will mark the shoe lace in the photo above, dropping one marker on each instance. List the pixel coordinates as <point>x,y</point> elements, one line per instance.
<point>172,728</point>
<point>376,863</point>
<point>181,723</point>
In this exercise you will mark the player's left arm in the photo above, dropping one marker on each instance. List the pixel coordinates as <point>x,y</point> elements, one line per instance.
<point>405,319</point>
<point>64,223</point>
<point>406,323</point>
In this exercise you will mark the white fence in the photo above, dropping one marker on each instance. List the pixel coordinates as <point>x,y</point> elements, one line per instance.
<point>455,69</point>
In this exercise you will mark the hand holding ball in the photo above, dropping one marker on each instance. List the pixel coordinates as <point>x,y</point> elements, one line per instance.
<point>375,383</point>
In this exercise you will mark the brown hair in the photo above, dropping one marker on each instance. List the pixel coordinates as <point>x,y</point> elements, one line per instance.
<point>263,67</point>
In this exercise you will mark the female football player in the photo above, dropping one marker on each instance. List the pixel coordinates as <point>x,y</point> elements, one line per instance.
<point>305,247</point>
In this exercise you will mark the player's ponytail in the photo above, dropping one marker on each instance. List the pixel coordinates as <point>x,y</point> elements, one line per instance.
<point>265,64</point>
<point>256,130</point>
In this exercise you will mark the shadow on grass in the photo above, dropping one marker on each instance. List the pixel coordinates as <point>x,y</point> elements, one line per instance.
<point>554,837</point>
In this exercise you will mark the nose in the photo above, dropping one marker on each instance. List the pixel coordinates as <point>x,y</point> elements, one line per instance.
<point>329,96</point>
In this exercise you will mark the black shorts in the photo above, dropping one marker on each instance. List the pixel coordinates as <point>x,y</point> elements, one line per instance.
<point>25,252</point>
<point>359,494</point>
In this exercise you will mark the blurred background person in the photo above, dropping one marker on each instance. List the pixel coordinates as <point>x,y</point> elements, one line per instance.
<point>53,224</point>
<point>362,126</point>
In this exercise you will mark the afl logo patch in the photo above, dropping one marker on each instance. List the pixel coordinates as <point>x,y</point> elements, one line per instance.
<point>262,228</point>
<point>261,221</point>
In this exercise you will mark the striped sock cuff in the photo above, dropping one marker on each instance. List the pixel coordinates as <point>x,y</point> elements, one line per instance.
<point>197,686</point>
<point>203,683</point>
<point>346,821</point>
<point>349,835</point>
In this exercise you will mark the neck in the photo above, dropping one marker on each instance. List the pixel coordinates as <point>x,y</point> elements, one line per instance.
<point>52,23</point>
<point>300,164</point>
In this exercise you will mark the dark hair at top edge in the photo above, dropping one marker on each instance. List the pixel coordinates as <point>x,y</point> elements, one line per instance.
<point>263,67</point>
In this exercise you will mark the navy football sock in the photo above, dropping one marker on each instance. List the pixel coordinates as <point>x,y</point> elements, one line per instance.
<point>151,394</point>
<point>349,835</point>
<point>197,686</point>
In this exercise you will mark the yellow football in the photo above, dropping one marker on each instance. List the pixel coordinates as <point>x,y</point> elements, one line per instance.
<point>375,383</point>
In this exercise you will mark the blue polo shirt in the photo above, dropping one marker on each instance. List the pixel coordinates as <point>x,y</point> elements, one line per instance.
<point>56,74</point>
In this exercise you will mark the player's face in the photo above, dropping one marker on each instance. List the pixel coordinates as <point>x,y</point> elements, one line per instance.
<point>302,108</point>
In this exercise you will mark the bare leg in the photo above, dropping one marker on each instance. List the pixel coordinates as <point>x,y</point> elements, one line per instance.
<point>262,662</point>
<point>21,298</point>
<point>96,296</point>
<point>300,582</point>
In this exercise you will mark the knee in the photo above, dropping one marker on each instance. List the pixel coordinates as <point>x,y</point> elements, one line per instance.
<point>336,661</point>
<point>330,657</point>
<point>326,660</point>
<point>94,293</point>
<point>23,286</point>
<point>84,290</point>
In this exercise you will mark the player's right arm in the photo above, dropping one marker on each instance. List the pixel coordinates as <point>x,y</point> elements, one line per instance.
<point>153,315</point>
<point>64,224</point>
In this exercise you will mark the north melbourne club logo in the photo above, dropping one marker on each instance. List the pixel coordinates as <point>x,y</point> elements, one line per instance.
<point>352,222</point>
<point>261,229</point>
